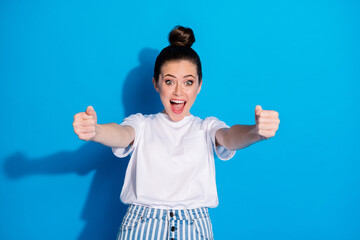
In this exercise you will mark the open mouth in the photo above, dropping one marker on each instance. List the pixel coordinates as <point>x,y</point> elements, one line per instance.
<point>177,106</point>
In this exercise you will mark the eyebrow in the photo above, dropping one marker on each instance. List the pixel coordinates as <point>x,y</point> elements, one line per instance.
<point>189,75</point>
<point>169,75</point>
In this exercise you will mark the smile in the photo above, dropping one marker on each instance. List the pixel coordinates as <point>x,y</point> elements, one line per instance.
<point>177,106</point>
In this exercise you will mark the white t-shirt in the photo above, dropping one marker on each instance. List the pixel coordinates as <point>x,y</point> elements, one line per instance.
<point>172,163</point>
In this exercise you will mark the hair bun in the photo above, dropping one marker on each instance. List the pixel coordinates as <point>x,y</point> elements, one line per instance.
<point>181,36</point>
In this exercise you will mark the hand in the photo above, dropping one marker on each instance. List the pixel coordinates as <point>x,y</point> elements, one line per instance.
<point>85,124</point>
<point>267,122</point>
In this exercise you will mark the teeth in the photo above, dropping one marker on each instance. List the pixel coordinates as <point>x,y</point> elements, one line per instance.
<point>177,101</point>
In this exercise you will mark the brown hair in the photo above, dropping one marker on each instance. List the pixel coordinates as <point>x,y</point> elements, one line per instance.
<point>181,39</point>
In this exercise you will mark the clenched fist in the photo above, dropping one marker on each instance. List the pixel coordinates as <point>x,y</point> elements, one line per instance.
<point>85,124</point>
<point>267,122</point>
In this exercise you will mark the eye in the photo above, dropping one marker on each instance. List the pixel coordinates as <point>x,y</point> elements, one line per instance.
<point>168,82</point>
<point>189,83</point>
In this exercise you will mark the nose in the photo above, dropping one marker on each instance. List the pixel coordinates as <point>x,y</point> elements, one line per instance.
<point>177,90</point>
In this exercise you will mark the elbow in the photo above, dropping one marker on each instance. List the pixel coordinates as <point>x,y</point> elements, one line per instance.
<point>233,148</point>
<point>230,146</point>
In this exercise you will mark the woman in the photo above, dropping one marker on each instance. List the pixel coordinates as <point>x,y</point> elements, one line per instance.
<point>170,179</point>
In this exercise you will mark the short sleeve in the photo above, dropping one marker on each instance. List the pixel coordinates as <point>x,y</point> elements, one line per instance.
<point>214,124</point>
<point>136,121</point>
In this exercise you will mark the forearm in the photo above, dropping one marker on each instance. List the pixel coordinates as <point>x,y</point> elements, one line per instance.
<point>113,135</point>
<point>239,136</point>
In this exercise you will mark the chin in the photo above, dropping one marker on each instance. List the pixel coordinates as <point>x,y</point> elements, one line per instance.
<point>177,116</point>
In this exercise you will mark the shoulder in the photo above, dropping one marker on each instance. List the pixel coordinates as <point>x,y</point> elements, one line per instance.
<point>212,124</point>
<point>140,116</point>
<point>136,120</point>
<point>139,122</point>
<point>144,119</point>
<point>208,121</point>
<point>212,121</point>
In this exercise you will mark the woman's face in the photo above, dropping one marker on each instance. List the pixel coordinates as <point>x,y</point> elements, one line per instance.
<point>178,87</point>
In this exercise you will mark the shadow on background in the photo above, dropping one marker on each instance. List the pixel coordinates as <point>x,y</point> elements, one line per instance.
<point>141,95</point>
<point>102,212</point>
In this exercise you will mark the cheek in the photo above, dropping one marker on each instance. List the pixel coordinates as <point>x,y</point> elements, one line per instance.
<point>193,94</point>
<point>164,96</point>
<point>163,92</point>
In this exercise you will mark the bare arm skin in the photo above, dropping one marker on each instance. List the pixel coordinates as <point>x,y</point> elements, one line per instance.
<point>237,137</point>
<point>242,136</point>
<point>114,135</point>
<point>110,134</point>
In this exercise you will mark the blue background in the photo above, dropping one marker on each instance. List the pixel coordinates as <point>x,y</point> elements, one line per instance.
<point>300,58</point>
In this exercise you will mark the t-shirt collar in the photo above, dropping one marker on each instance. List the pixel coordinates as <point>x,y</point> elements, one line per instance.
<point>184,120</point>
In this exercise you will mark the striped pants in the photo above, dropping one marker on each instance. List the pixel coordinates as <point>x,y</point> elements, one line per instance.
<point>143,223</point>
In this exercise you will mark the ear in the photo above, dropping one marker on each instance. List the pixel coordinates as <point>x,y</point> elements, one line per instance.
<point>199,87</point>
<point>156,86</point>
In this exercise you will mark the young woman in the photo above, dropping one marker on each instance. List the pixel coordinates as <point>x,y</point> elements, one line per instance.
<point>170,179</point>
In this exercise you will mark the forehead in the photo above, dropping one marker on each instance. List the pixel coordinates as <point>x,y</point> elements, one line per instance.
<point>179,68</point>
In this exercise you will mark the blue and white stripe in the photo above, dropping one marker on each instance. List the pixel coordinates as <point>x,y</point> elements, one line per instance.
<point>147,223</point>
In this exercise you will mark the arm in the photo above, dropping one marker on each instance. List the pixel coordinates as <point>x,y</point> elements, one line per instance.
<point>111,134</point>
<point>242,136</point>
<point>114,135</point>
<point>237,137</point>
